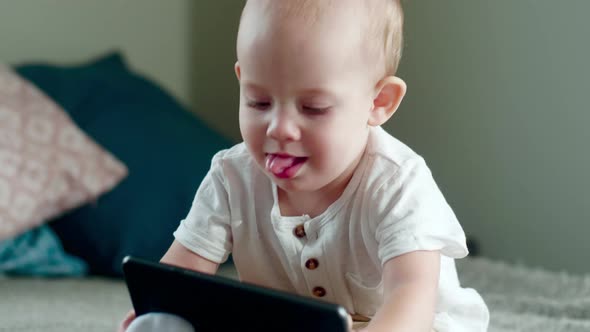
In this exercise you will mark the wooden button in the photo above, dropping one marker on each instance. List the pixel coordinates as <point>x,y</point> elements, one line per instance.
<point>360,318</point>
<point>299,231</point>
<point>319,291</point>
<point>312,264</point>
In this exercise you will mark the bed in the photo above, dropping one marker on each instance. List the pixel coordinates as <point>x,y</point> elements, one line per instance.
<point>65,270</point>
<point>519,298</point>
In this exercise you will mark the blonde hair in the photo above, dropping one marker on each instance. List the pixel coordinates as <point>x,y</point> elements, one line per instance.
<point>385,27</point>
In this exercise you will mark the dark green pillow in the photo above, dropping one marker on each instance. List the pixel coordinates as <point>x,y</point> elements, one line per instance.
<point>167,150</point>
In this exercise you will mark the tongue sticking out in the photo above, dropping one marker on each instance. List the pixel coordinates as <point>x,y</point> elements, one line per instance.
<point>282,166</point>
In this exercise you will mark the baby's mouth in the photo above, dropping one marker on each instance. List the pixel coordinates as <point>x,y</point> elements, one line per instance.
<point>284,166</point>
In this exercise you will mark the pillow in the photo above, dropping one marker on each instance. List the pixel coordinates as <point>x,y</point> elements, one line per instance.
<point>47,164</point>
<point>167,149</point>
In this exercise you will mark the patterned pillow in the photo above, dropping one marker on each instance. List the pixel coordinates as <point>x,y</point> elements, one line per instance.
<point>47,164</point>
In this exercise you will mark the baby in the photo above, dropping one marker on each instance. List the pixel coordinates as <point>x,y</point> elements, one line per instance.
<point>319,200</point>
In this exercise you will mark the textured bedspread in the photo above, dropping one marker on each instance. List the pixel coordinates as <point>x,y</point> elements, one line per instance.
<point>520,299</point>
<point>525,299</point>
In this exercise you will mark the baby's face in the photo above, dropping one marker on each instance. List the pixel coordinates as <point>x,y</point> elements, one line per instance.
<point>306,94</point>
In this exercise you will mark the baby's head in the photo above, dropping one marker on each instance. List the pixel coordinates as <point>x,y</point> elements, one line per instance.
<point>377,25</point>
<point>314,76</point>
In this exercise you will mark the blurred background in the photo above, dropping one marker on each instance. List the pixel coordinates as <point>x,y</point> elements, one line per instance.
<point>497,101</point>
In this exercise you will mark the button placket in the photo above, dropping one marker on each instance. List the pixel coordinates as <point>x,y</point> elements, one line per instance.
<point>314,268</point>
<point>286,230</point>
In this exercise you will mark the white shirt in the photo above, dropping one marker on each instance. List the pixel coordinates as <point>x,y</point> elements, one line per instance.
<point>390,207</point>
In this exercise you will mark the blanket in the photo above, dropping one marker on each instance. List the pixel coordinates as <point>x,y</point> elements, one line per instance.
<point>38,252</point>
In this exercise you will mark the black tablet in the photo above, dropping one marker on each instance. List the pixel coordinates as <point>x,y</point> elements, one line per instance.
<point>213,303</point>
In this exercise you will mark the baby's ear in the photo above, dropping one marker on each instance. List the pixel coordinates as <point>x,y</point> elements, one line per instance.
<point>237,69</point>
<point>389,94</point>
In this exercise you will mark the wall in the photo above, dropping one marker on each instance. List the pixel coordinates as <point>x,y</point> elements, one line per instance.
<point>498,105</point>
<point>214,86</point>
<point>154,35</point>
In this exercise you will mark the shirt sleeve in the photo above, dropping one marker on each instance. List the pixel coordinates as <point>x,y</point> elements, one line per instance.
<point>206,229</point>
<point>412,214</point>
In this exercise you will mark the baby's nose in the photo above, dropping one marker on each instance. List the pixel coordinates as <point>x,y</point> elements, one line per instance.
<point>283,128</point>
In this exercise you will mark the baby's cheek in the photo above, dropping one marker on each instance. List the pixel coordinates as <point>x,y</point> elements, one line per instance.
<point>329,157</point>
<point>253,134</point>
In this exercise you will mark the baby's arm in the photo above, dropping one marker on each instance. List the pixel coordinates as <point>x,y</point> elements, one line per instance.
<point>410,293</point>
<point>178,255</point>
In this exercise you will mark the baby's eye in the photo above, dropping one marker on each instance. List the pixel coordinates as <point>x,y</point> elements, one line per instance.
<point>313,110</point>
<point>259,105</point>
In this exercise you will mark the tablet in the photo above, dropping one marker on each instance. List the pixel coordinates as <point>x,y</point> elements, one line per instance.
<point>213,303</point>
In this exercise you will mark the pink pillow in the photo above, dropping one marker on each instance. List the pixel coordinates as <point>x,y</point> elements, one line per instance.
<point>47,164</point>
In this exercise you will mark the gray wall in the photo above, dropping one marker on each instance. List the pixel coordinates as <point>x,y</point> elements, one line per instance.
<point>498,105</point>
<point>154,35</point>
<point>214,86</point>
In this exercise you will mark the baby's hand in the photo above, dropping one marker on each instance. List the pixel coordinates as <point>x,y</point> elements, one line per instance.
<point>126,321</point>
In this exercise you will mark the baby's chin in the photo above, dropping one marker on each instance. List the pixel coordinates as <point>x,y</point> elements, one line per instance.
<point>305,183</point>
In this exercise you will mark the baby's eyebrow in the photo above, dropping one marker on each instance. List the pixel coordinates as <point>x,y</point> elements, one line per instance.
<point>307,92</point>
<point>318,92</point>
<point>253,86</point>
